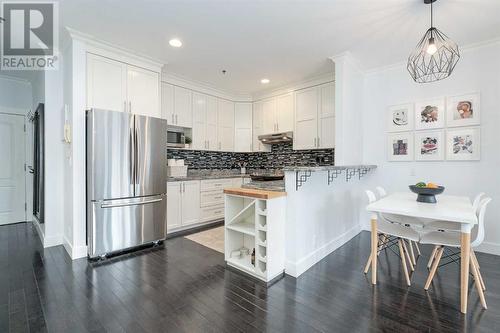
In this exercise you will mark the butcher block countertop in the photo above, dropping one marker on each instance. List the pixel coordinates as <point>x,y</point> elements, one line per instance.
<point>254,193</point>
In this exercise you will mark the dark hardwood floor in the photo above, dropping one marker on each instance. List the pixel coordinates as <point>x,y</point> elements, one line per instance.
<point>184,287</point>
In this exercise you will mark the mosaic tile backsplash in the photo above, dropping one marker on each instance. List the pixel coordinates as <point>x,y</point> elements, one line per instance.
<point>281,155</point>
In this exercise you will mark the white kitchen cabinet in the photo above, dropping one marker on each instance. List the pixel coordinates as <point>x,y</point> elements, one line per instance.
<point>117,86</point>
<point>314,118</point>
<point>183,204</point>
<point>284,113</point>
<point>174,205</point>
<point>306,118</point>
<point>326,118</point>
<point>183,107</point>
<point>167,102</point>
<point>106,83</point>
<point>199,122</point>
<point>243,127</point>
<point>143,92</point>
<point>190,202</point>
<point>258,127</point>
<point>269,116</point>
<point>225,125</point>
<point>211,130</point>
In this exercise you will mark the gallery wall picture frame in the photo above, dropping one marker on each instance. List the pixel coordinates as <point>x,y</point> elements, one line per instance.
<point>430,114</point>
<point>400,117</point>
<point>463,110</point>
<point>463,144</point>
<point>400,146</point>
<point>429,145</point>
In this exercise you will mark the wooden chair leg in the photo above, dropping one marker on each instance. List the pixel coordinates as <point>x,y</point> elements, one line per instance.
<point>431,259</point>
<point>407,255</point>
<point>435,265</point>
<point>473,257</point>
<point>403,261</point>
<point>418,249</point>
<point>410,244</point>
<point>368,264</point>
<point>477,281</point>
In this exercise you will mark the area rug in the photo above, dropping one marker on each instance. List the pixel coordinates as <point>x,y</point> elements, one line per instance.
<point>212,238</point>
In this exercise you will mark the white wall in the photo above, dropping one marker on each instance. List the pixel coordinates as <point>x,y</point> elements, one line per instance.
<point>477,70</point>
<point>15,94</point>
<point>348,110</point>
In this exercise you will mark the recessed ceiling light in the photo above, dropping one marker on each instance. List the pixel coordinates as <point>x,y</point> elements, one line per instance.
<point>264,81</point>
<point>175,42</point>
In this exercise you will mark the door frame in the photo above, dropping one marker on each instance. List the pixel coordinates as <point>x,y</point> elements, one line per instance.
<point>21,113</point>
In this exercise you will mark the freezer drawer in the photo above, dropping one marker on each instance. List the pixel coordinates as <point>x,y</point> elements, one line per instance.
<point>115,225</point>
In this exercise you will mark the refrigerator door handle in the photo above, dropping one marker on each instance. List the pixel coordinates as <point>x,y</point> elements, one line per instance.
<point>136,159</point>
<point>126,204</point>
<point>131,157</point>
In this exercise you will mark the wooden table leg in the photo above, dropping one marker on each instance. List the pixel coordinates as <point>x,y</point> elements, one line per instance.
<point>374,249</point>
<point>464,269</point>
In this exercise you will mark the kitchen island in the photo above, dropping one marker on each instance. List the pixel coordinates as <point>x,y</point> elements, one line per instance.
<point>320,211</point>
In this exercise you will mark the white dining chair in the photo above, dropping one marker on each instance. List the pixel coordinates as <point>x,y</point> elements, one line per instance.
<point>403,220</point>
<point>388,230</point>
<point>452,239</point>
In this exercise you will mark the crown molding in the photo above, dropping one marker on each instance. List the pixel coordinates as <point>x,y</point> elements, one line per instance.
<point>291,87</point>
<point>202,87</point>
<point>110,47</point>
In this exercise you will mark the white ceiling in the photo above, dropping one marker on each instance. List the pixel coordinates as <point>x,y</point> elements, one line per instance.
<point>285,41</point>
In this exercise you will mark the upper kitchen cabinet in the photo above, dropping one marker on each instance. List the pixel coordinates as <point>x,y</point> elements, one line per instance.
<point>258,127</point>
<point>200,141</point>
<point>284,113</point>
<point>118,86</point>
<point>167,102</point>
<point>183,107</point>
<point>106,84</point>
<point>143,91</point>
<point>326,118</point>
<point>211,131</point>
<point>315,117</point>
<point>225,125</point>
<point>243,127</point>
<point>269,116</point>
<point>277,114</point>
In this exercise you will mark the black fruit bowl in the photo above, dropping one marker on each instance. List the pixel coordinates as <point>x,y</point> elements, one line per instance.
<point>426,194</point>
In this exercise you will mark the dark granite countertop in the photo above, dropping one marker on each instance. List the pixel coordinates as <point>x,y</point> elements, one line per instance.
<point>209,174</point>
<point>329,167</point>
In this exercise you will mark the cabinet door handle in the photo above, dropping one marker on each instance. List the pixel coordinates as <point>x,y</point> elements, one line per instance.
<point>315,142</point>
<point>176,120</point>
<point>180,188</point>
<point>129,106</point>
<point>318,141</point>
<point>172,118</point>
<point>124,106</point>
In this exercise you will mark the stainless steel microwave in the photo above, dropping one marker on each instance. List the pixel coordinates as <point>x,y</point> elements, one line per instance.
<point>176,138</point>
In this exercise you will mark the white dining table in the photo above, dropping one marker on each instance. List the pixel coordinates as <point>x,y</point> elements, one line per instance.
<point>448,208</point>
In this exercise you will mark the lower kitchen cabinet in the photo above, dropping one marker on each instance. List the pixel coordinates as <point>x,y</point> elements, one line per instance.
<point>192,203</point>
<point>183,204</point>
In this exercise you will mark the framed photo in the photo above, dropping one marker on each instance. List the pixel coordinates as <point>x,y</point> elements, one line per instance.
<point>400,118</point>
<point>429,146</point>
<point>463,144</point>
<point>463,110</point>
<point>400,146</point>
<point>429,114</point>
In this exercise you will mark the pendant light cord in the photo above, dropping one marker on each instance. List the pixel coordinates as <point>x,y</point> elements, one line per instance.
<point>431,17</point>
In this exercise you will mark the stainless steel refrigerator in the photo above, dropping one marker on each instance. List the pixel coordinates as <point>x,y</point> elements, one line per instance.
<point>126,181</point>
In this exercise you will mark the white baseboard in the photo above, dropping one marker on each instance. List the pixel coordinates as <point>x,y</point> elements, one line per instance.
<point>39,230</point>
<point>295,269</point>
<point>52,241</point>
<point>74,252</point>
<point>489,247</point>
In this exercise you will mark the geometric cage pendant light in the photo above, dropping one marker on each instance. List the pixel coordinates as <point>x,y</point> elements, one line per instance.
<point>434,57</point>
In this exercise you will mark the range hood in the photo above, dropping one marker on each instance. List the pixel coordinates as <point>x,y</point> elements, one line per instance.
<point>276,138</point>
